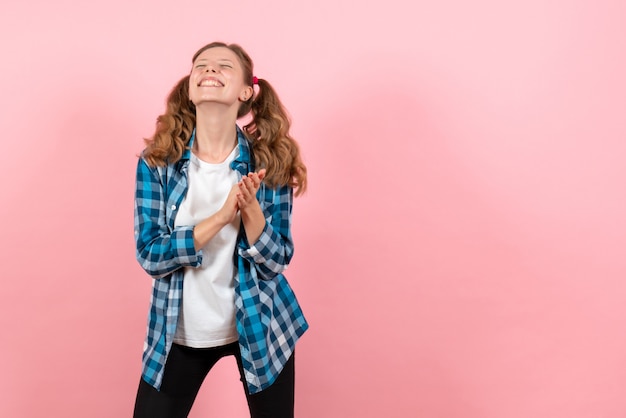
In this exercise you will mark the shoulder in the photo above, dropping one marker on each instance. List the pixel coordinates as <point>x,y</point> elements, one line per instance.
<point>147,170</point>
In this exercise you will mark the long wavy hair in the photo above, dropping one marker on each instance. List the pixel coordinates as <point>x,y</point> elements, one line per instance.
<point>268,132</point>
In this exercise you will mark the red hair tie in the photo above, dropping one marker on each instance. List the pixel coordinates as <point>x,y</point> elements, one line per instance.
<point>255,80</point>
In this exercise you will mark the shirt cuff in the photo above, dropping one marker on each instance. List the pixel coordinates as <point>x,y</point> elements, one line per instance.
<point>184,248</point>
<point>257,250</point>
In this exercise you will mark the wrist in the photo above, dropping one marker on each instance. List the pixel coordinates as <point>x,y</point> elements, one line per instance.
<point>221,218</point>
<point>251,210</point>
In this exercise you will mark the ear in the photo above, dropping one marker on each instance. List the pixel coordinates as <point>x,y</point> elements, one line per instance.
<point>246,93</point>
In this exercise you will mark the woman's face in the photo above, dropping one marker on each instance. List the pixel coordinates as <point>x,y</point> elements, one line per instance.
<point>217,77</point>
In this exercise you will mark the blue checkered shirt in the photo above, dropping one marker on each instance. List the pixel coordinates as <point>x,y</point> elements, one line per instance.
<point>268,316</point>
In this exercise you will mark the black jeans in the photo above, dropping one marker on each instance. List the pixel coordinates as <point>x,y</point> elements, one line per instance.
<point>185,371</point>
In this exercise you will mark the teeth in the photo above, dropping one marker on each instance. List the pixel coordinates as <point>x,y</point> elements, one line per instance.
<point>210,83</point>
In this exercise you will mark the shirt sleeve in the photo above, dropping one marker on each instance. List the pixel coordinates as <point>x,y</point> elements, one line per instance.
<point>160,250</point>
<point>272,252</point>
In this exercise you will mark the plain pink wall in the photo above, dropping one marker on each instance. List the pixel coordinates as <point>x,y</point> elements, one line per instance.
<point>459,253</point>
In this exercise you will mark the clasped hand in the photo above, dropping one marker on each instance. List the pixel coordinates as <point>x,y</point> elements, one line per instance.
<point>248,186</point>
<point>242,196</point>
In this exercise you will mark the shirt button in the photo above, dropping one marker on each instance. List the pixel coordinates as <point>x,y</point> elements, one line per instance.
<point>173,207</point>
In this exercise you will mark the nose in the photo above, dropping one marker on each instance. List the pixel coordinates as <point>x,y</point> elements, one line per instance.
<point>210,69</point>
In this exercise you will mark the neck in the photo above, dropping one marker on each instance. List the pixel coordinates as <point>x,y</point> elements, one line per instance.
<point>216,134</point>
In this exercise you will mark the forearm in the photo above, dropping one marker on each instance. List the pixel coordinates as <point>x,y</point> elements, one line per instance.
<point>271,251</point>
<point>159,249</point>
<point>253,222</point>
<point>161,253</point>
<point>270,254</point>
<point>204,231</point>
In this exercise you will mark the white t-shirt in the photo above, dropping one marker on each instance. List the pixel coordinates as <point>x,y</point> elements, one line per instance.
<point>207,317</point>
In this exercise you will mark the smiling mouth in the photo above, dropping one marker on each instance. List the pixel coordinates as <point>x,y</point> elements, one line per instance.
<point>210,82</point>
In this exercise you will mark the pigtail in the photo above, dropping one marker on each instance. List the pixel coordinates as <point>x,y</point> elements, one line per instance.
<point>173,128</point>
<point>274,148</point>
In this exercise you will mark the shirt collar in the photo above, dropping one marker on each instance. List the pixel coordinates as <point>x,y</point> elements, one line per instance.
<point>244,148</point>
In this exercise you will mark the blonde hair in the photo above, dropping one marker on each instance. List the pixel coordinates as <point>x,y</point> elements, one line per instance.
<point>272,146</point>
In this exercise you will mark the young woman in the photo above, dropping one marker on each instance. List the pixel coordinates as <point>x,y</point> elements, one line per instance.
<point>212,227</point>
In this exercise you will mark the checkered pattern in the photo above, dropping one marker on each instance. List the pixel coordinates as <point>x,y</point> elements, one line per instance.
<point>269,318</point>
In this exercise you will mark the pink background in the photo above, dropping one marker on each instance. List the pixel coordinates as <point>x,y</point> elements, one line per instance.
<point>460,252</point>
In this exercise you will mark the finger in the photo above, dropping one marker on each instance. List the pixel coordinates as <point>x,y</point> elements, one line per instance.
<point>252,176</point>
<point>246,191</point>
<point>256,181</point>
<point>250,184</point>
<point>243,190</point>
<point>261,173</point>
